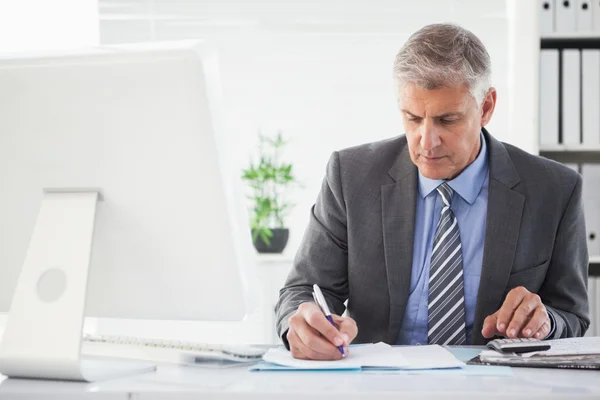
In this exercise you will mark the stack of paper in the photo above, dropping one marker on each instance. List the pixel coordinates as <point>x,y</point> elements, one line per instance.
<point>571,346</point>
<point>583,353</point>
<point>373,356</point>
<point>559,348</point>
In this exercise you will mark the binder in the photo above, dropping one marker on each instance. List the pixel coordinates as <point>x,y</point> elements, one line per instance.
<point>585,16</point>
<point>566,16</point>
<point>590,86</point>
<point>549,97</point>
<point>546,16</point>
<point>596,15</point>
<point>593,304</point>
<point>571,97</point>
<point>591,206</point>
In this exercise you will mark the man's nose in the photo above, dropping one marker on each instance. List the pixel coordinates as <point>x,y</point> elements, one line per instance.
<point>430,138</point>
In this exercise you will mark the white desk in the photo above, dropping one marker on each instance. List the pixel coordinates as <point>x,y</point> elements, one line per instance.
<point>170,382</point>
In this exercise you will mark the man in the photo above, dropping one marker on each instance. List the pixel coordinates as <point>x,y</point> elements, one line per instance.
<point>444,235</point>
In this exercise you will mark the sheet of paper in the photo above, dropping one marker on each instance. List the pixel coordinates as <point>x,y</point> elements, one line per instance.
<point>266,366</point>
<point>469,370</point>
<point>374,356</point>
<point>493,355</point>
<point>428,357</point>
<point>368,355</point>
<point>571,346</point>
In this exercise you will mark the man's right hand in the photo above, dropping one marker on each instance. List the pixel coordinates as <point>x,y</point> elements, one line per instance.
<point>312,337</point>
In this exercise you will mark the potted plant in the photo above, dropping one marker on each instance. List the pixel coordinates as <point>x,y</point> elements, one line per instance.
<point>268,179</point>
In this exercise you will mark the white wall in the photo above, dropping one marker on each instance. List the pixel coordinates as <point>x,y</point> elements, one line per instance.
<point>42,25</point>
<point>318,70</point>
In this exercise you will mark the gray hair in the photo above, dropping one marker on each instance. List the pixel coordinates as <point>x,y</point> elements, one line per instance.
<point>444,55</point>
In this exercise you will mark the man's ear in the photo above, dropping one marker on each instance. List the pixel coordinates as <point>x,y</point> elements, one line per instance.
<point>488,106</point>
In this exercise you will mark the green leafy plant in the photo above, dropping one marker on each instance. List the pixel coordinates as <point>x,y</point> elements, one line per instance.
<point>268,178</point>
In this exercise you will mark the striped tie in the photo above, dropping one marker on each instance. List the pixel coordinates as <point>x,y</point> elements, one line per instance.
<point>446,295</point>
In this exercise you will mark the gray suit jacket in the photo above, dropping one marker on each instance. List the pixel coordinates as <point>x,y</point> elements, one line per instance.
<point>359,241</point>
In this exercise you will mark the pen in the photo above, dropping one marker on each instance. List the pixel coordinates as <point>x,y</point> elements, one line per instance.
<point>320,300</point>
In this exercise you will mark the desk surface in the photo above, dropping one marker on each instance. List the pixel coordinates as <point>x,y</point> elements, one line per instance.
<point>171,382</point>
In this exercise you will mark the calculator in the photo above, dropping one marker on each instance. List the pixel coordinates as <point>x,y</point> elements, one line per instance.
<point>519,345</point>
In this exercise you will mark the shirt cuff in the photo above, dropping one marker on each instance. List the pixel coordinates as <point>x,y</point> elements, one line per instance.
<point>552,324</point>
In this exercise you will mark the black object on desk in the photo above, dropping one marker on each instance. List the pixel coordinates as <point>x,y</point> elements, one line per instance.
<point>518,345</point>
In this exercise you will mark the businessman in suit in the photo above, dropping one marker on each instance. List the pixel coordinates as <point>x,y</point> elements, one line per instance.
<point>443,235</point>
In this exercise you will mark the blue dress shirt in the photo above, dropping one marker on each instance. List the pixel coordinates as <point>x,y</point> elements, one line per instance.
<point>469,204</point>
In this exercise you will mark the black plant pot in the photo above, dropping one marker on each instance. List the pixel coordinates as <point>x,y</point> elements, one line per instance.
<point>278,241</point>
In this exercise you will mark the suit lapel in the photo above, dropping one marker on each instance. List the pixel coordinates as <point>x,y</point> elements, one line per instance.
<point>398,201</point>
<point>504,211</point>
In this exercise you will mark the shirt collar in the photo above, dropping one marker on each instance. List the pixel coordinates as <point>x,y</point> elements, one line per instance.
<point>467,184</point>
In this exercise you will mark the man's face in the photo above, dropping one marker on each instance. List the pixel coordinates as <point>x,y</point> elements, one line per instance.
<point>442,127</point>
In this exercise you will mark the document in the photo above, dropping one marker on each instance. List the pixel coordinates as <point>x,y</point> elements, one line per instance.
<point>373,356</point>
<point>576,353</point>
<point>572,346</point>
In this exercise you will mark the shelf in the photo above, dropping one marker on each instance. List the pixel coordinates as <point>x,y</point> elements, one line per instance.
<point>571,35</point>
<point>274,258</point>
<point>570,148</point>
<point>572,153</point>
<point>571,41</point>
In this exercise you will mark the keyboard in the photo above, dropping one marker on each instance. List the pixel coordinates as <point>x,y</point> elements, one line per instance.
<point>169,351</point>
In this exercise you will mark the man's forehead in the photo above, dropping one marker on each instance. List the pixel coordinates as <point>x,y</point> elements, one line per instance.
<point>443,100</point>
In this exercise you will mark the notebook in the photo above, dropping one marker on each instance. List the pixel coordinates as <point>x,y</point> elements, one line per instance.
<point>370,356</point>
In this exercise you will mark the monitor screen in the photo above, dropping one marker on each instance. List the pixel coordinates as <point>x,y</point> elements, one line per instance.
<point>143,125</point>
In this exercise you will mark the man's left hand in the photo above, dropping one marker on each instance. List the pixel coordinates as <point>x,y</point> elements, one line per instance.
<point>521,315</point>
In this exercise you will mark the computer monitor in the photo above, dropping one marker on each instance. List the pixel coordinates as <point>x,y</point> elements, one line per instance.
<point>141,128</point>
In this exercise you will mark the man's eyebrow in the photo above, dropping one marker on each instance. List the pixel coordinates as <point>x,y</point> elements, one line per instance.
<point>446,115</point>
<point>450,114</point>
<point>409,113</point>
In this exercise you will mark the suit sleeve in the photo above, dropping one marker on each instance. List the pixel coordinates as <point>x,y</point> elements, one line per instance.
<point>564,292</point>
<point>323,254</point>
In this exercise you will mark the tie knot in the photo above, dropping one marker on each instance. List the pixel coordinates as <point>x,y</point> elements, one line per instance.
<point>445,192</point>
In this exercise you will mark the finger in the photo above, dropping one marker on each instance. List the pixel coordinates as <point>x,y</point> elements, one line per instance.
<point>523,313</point>
<point>539,318</point>
<point>489,326</point>
<point>347,327</point>
<point>319,347</point>
<point>299,349</point>
<point>300,330</point>
<point>505,314</point>
<point>544,331</point>
<point>316,319</point>
<point>296,345</point>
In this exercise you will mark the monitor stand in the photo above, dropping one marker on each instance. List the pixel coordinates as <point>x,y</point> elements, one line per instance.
<point>43,333</point>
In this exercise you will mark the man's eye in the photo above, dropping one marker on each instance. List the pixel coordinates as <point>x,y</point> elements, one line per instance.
<point>412,119</point>
<point>447,121</point>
